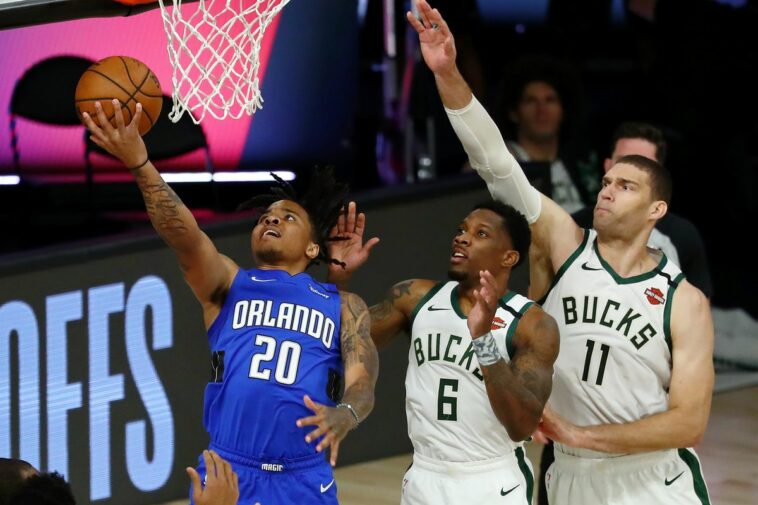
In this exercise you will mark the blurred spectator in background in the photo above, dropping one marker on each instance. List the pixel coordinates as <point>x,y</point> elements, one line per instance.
<point>540,113</point>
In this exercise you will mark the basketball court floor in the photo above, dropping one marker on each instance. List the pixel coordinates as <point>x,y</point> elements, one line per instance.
<point>728,454</point>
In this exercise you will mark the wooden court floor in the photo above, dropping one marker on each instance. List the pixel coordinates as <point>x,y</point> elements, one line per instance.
<point>729,455</point>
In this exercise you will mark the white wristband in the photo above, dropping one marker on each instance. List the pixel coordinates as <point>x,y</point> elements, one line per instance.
<point>486,350</point>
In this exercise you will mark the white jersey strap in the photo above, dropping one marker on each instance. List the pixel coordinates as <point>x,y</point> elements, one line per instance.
<point>517,306</point>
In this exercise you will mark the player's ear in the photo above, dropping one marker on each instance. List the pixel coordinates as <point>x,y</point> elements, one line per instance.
<point>658,209</point>
<point>510,258</point>
<point>312,250</point>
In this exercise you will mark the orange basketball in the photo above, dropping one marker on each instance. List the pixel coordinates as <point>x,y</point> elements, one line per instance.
<point>126,79</point>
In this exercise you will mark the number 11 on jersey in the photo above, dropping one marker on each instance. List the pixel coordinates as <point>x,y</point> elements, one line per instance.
<point>604,349</point>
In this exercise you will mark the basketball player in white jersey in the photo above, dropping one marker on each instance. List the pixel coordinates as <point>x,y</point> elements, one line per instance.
<point>633,381</point>
<point>480,361</point>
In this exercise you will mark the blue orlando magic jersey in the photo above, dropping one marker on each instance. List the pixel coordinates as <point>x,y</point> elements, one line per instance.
<point>275,340</point>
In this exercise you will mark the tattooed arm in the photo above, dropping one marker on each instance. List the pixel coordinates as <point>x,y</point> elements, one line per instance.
<point>361,370</point>
<point>358,354</point>
<point>518,390</point>
<point>208,273</point>
<point>393,315</point>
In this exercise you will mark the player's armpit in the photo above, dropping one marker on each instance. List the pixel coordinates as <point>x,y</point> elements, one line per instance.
<point>358,355</point>
<point>392,315</point>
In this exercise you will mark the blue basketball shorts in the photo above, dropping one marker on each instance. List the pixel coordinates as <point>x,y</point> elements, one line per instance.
<point>302,481</point>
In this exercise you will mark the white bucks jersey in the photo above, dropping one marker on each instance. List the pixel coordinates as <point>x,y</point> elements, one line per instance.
<point>614,364</point>
<point>449,413</point>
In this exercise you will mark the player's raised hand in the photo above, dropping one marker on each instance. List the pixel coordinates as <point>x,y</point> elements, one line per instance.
<point>332,423</point>
<point>124,141</point>
<point>483,312</point>
<point>221,482</point>
<point>435,38</point>
<point>346,245</point>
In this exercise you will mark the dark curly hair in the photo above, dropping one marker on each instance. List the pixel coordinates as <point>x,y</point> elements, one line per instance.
<point>323,201</point>
<point>13,473</point>
<point>44,489</point>
<point>515,226</point>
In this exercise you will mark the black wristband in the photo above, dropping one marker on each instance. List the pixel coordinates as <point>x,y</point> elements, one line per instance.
<point>352,412</point>
<point>134,169</point>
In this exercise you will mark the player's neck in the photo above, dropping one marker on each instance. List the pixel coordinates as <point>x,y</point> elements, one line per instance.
<point>626,257</point>
<point>292,269</point>
<point>539,149</point>
<point>465,292</point>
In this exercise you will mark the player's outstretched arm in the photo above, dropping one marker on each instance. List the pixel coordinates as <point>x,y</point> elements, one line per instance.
<point>517,390</point>
<point>554,232</point>
<point>208,273</point>
<point>692,377</point>
<point>361,370</point>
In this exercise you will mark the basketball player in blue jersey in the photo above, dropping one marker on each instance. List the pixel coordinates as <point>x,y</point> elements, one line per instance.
<point>280,340</point>
<point>480,361</point>
<point>633,381</point>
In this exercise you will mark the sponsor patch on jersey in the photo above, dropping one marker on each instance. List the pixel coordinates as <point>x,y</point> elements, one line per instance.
<point>316,291</point>
<point>654,296</point>
<point>497,324</point>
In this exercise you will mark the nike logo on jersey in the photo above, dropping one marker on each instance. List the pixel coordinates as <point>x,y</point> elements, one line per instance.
<point>432,308</point>
<point>587,267</point>
<point>669,482</point>
<point>503,493</point>
<point>324,489</point>
<point>261,280</point>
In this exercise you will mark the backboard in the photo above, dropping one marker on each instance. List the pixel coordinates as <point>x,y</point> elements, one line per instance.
<point>18,13</point>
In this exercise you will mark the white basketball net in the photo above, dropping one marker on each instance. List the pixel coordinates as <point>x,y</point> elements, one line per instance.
<point>214,47</point>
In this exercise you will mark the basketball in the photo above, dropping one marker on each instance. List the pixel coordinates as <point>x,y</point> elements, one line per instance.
<point>126,79</point>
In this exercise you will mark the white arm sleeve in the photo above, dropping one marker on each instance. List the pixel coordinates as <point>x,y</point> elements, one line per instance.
<point>487,154</point>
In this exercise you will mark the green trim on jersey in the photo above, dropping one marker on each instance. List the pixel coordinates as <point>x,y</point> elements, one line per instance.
<point>566,265</point>
<point>512,330</point>
<point>527,473</point>
<point>506,298</point>
<point>455,303</point>
<point>701,490</point>
<point>667,311</point>
<point>429,294</point>
<point>630,280</point>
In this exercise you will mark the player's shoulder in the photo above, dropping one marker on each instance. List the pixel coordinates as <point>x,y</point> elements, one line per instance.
<point>687,297</point>
<point>407,295</point>
<point>537,327</point>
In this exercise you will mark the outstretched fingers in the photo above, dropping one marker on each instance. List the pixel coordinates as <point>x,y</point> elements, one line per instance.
<point>105,125</point>
<point>414,22</point>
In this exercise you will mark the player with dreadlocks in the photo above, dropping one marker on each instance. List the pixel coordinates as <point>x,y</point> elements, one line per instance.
<point>280,340</point>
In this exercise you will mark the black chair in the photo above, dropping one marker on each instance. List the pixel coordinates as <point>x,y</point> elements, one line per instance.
<point>164,141</point>
<point>35,99</point>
